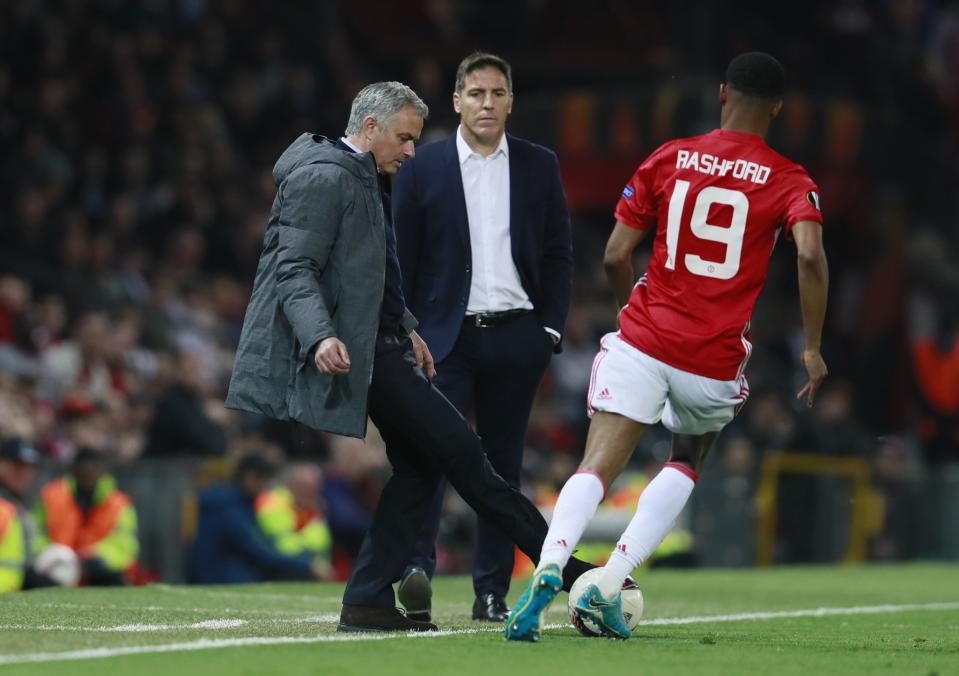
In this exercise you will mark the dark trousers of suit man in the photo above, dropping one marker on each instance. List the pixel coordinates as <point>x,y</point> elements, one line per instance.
<point>491,375</point>
<point>427,439</point>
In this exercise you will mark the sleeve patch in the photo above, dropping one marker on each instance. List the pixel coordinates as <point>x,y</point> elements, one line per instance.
<point>628,192</point>
<point>813,198</point>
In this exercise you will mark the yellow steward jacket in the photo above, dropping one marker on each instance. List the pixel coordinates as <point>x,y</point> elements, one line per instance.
<point>292,531</point>
<point>107,531</point>
<point>13,549</point>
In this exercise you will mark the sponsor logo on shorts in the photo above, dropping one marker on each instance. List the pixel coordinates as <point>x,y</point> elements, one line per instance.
<point>604,395</point>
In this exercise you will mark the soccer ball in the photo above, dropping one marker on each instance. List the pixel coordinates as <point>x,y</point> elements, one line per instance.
<point>60,564</point>
<point>632,602</point>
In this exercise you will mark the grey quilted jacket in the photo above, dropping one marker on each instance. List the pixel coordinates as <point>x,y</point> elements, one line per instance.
<point>321,274</point>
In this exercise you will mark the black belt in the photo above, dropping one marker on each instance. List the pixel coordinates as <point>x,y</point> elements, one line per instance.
<point>487,319</point>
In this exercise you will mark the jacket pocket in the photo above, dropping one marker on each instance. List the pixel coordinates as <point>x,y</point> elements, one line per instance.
<point>258,352</point>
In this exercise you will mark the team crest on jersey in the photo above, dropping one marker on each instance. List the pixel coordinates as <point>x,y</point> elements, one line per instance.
<point>628,191</point>
<point>813,198</point>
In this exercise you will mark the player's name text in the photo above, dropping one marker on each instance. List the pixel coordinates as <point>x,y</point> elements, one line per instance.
<point>717,166</point>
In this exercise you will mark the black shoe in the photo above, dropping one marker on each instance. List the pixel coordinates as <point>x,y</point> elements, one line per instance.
<point>490,608</point>
<point>574,568</point>
<point>363,619</point>
<point>416,595</point>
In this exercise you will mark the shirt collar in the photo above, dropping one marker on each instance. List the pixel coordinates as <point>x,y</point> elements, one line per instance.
<point>349,145</point>
<point>465,152</point>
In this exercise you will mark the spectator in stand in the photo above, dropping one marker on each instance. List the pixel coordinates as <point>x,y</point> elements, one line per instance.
<point>15,355</point>
<point>290,516</point>
<point>182,424</point>
<point>14,301</point>
<point>230,547</point>
<point>935,363</point>
<point>88,513</point>
<point>79,368</point>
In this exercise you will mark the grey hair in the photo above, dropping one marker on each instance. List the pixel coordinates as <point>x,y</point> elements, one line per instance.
<point>381,101</point>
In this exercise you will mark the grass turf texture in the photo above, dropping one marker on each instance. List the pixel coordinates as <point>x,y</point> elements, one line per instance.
<point>922,642</point>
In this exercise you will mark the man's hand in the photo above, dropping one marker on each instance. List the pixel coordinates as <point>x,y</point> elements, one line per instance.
<point>331,357</point>
<point>422,353</point>
<point>816,369</point>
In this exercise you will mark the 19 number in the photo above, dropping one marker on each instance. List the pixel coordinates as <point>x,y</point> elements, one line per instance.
<point>732,236</point>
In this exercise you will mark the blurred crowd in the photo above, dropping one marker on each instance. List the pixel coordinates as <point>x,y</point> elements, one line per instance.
<point>137,140</point>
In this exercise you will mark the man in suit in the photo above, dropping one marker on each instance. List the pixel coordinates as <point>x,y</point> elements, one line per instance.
<point>327,339</point>
<point>484,245</point>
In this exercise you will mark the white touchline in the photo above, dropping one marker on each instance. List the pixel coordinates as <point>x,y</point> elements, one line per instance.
<point>208,644</point>
<point>133,628</point>
<point>166,609</point>
<point>813,612</point>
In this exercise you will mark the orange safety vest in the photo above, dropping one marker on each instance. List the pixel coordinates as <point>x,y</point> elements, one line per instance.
<point>66,523</point>
<point>7,514</point>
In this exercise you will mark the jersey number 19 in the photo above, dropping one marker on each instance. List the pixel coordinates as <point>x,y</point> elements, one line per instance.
<point>732,236</point>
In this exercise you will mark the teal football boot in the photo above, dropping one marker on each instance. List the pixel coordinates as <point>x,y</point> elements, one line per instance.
<point>523,622</point>
<point>595,611</point>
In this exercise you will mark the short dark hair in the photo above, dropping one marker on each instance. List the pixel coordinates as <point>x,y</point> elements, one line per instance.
<point>758,75</point>
<point>478,60</point>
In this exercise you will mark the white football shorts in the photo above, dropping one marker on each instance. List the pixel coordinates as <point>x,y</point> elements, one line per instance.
<point>633,384</point>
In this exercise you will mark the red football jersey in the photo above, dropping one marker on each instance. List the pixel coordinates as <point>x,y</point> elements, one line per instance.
<point>720,200</point>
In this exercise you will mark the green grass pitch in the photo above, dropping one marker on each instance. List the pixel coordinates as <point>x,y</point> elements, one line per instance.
<point>878,619</point>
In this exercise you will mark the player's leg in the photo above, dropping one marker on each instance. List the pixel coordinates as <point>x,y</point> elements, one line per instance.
<point>609,445</point>
<point>697,409</point>
<point>610,442</point>
<point>657,510</point>
<point>627,392</point>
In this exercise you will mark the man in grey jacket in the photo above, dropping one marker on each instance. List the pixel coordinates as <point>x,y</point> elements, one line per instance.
<point>327,340</point>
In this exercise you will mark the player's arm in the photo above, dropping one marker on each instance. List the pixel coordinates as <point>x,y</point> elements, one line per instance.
<point>813,290</point>
<point>618,260</point>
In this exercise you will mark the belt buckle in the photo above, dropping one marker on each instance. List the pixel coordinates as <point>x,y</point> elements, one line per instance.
<point>480,322</point>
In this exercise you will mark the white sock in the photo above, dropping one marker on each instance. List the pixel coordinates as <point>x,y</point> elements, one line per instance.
<point>656,512</point>
<point>575,507</point>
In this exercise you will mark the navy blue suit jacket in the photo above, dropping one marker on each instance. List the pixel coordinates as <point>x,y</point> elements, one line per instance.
<point>433,238</point>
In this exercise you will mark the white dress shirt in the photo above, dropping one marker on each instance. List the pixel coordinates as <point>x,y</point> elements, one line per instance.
<point>495,285</point>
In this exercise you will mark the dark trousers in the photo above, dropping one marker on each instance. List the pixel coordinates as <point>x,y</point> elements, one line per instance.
<point>492,375</point>
<point>426,439</point>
